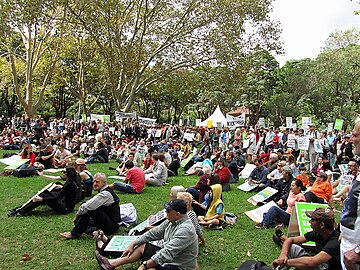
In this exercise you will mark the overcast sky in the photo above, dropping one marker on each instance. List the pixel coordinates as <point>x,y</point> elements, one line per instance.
<point>306,24</point>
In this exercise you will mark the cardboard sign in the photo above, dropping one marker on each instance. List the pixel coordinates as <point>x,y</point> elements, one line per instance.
<point>291,141</point>
<point>186,160</point>
<point>262,195</point>
<point>247,186</point>
<point>16,164</point>
<point>289,122</point>
<point>245,173</point>
<point>303,143</point>
<point>318,147</point>
<point>262,122</point>
<point>119,243</point>
<point>338,124</point>
<point>258,213</point>
<point>299,222</point>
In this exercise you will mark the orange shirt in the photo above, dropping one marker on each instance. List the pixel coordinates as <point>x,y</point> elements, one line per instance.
<point>322,190</point>
<point>304,179</point>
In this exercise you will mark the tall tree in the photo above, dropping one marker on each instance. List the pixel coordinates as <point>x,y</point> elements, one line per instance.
<point>37,22</point>
<point>135,36</point>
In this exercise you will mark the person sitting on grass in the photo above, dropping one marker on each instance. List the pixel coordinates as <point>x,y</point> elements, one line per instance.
<point>224,174</point>
<point>303,176</point>
<point>175,190</point>
<point>86,177</point>
<point>321,190</point>
<point>61,199</point>
<point>102,210</point>
<point>276,215</point>
<point>179,251</point>
<point>327,246</point>
<point>201,188</point>
<point>101,155</point>
<point>215,212</point>
<point>134,182</point>
<point>157,174</point>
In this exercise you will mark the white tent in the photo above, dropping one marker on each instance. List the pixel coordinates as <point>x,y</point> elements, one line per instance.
<point>216,117</point>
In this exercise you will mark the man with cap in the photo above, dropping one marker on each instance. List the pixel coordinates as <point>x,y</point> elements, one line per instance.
<point>326,244</point>
<point>350,216</point>
<point>180,247</point>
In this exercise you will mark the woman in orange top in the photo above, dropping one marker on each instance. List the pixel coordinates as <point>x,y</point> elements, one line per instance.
<point>321,190</point>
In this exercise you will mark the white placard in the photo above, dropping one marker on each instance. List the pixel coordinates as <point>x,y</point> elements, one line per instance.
<point>289,122</point>
<point>146,121</point>
<point>318,147</point>
<point>158,133</point>
<point>189,136</point>
<point>198,121</point>
<point>330,127</point>
<point>262,122</point>
<point>303,143</point>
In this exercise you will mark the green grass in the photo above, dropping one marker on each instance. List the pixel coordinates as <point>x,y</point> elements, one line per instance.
<point>38,234</point>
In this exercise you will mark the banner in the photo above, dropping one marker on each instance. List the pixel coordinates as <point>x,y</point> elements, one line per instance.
<point>338,124</point>
<point>233,121</point>
<point>303,143</point>
<point>289,122</point>
<point>146,121</point>
<point>102,117</point>
<point>121,115</point>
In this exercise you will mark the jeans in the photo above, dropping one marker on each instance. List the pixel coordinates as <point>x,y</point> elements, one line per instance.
<point>126,188</point>
<point>276,215</point>
<point>194,192</point>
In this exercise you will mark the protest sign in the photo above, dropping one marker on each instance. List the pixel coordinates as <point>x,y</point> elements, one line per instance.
<point>262,195</point>
<point>146,121</point>
<point>299,221</point>
<point>209,124</point>
<point>257,214</point>
<point>338,124</point>
<point>245,173</point>
<point>189,136</point>
<point>102,117</point>
<point>233,121</point>
<point>158,133</point>
<point>318,147</point>
<point>289,122</point>
<point>291,141</point>
<point>247,186</point>
<point>197,122</point>
<point>330,127</point>
<point>303,143</point>
<point>262,122</point>
<point>119,243</point>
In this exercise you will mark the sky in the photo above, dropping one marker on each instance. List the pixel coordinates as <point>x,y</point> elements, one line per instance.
<point>307,24</point>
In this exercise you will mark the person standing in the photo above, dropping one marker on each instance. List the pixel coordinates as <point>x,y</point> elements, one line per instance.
<point>350,216</point>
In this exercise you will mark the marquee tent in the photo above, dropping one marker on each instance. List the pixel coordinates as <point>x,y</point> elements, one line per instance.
<point>215,118</point>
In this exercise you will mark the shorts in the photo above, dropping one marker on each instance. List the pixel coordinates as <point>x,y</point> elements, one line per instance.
<point>150,251</point>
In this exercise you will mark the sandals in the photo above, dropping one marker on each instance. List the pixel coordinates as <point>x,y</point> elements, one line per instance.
<point>100,237</point>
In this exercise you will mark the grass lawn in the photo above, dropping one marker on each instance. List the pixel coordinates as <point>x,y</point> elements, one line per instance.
<point>38,234</point>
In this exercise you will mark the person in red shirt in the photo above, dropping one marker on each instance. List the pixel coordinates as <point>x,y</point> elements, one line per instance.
<point>27,153</point>
<point>224,174</point>
<point>134,181</point>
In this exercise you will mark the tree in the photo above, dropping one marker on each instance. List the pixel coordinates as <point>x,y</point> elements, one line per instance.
<point>135,37</point>
<point>38,22</point>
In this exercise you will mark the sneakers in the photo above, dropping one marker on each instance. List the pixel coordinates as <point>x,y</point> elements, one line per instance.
<point>261,226</point>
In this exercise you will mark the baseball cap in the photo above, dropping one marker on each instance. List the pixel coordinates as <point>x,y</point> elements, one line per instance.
<point>176,205</point>
<point>322,214</point>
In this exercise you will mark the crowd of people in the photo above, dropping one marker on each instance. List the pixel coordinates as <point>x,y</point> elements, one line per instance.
<point>325,172</point>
